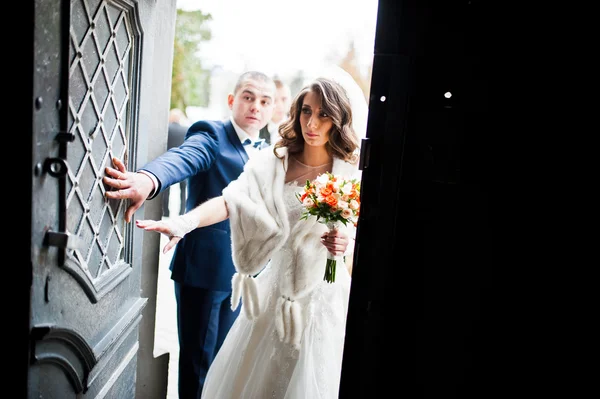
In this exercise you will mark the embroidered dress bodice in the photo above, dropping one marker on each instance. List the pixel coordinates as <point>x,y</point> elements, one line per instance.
<point>293,205</point>
<point>299,172</point>
<point>296,177</point>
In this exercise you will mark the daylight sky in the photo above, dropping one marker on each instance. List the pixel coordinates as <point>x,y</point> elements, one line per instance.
<point>284,36</point>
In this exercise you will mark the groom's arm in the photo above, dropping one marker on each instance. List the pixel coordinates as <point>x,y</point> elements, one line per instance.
<point>195,155</point>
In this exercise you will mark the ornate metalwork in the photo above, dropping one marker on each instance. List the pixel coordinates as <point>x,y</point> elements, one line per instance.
<point>103,63</point>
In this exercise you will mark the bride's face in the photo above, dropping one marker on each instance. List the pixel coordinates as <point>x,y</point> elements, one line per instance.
<point>315,123</point>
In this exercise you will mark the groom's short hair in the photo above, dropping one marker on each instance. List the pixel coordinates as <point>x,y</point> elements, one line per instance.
<point>252,75</point>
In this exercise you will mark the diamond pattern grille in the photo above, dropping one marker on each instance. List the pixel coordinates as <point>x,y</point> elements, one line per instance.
<point>99,93</point>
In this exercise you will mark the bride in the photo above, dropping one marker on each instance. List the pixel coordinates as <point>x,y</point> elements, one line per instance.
<point>288,341</point>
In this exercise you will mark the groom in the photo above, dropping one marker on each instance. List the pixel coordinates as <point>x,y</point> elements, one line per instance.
<point>212,155</point>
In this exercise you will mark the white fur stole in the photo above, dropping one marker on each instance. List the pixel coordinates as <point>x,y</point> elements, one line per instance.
<point>260,227</point>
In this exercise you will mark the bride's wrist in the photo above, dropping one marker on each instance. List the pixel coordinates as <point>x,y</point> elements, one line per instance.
<point>182,225</point>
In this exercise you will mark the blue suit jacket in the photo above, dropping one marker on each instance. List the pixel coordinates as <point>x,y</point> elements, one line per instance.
<point>210,157</point>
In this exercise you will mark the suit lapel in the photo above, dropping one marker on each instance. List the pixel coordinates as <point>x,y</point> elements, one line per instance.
<point>235,141</point>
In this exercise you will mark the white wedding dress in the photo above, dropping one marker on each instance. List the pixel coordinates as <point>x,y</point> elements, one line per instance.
<point>254,363</point>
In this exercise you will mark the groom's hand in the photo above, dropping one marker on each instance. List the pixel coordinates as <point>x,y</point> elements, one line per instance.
<point>133,186</point>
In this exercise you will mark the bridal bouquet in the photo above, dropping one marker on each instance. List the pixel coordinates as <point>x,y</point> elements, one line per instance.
<point>333,200</point>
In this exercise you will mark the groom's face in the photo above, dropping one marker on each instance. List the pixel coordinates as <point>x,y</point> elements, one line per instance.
<point>252,105</point>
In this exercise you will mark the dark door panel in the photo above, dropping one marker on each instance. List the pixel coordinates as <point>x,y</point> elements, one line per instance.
<point>86,306</point>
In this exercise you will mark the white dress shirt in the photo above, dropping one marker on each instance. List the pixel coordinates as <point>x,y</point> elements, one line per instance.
<point>242,135</point>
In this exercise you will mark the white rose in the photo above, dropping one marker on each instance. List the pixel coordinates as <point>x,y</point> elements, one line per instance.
<point>308,203</point>
<point>346,188</point>
<point>322,179</point>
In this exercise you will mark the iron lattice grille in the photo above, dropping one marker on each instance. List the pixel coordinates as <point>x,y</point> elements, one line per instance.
<point>100,66</point>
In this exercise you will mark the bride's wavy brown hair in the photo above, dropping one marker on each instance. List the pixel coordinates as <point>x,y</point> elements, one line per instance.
<point>343,140</point>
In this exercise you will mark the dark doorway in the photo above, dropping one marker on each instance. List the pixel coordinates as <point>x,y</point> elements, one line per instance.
<point>419,306</point>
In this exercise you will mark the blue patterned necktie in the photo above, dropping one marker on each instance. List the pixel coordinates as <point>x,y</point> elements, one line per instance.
<point>256,144</point>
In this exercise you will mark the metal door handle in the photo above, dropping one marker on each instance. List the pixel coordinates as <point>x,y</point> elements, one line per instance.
<point>63,240</point>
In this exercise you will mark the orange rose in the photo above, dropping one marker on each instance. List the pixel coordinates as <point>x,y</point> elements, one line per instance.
<point>331,200</point>
<point>326,191</point>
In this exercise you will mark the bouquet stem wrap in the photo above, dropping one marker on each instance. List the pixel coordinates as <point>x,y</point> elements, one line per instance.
<point>330,266</point>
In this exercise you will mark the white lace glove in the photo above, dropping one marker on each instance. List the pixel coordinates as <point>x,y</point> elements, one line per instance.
<point>182,224</point>
<point>174,228</point>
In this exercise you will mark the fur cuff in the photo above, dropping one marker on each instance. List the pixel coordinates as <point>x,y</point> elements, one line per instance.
<point>288,321</point>
<point>244,288</point>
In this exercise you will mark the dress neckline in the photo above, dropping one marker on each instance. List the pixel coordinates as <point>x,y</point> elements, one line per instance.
<point>294,184</point>
<point>308,166</point>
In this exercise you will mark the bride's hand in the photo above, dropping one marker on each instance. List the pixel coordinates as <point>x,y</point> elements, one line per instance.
<point>161,226</point>
<point>335,241</point>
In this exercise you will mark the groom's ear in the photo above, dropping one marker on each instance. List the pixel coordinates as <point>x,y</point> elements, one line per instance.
<point>230,98</point>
